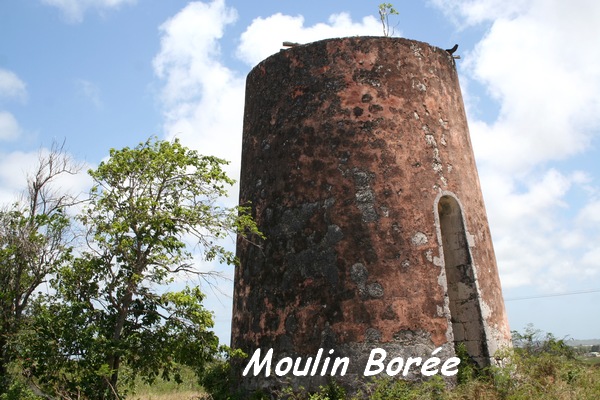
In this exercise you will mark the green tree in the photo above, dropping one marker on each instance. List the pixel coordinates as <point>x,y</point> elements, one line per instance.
<point>385,10</point>
<point>109,321</point>
<point>34,242</point>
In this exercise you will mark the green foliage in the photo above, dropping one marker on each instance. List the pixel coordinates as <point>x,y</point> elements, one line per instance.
<point>34,243</point>
<point>533,341</point>
<point>170,389</point>
<point>18,391</point>
<point>545,368</point>
<point>108,320</point>
<point>218,379</point>
<point>539,366</point>
<point>331,391</point>
<point>148,198</point>
<point>467,369</point>
<point>385,10</point>
<point>392,389</point>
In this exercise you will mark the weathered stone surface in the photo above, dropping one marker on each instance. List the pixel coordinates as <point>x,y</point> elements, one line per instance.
<point>349,147</point>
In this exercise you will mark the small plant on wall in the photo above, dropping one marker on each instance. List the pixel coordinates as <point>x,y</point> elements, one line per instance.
<point>385,10</point>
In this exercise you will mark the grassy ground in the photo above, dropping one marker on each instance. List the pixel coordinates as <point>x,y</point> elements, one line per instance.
<point>592,361</point>
<point>184,395</point>
<point>549,372</point>
<point>189,389</point>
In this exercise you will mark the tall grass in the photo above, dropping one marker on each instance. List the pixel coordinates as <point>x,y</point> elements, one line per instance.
<point>545,369</point>
<point>188,389</point>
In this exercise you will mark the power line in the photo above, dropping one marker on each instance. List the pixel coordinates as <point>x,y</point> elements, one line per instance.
<point>554,295</point>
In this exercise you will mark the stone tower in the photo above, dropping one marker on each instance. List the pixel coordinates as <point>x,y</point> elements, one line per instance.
<point>359,168</point>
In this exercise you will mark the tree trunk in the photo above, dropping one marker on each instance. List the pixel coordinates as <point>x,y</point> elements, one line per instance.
<point>114,360</point>
<point>4,360</point>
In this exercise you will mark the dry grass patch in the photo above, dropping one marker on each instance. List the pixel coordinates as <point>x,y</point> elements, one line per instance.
<point>179,395</point>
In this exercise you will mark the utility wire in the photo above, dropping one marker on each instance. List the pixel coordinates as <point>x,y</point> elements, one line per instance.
<point>553,295</point>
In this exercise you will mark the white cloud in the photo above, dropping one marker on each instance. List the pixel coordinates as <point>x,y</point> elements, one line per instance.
<point>13,174</point>
<point>536,239</point>
<point>592,259</point>
<point>74,10</point>
<point>189,58</point>
<point>89,91</point>
<point>590,214</point>
<point>11,86</point>
<point>9,127</point>
<point>470,12</point>
<point>203,99</point>
<point>16,167</point>
<point>266,35</point>
<point>538,62</point>
<point>540,68</point>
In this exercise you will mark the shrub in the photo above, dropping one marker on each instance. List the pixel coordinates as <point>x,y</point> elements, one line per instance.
<point>18,391</point>
<point>538,367</point>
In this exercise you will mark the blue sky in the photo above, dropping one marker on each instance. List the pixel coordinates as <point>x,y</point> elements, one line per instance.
<point>111,73</point>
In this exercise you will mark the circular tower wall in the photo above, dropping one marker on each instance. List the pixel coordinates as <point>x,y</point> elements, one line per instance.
<point>358,165</point>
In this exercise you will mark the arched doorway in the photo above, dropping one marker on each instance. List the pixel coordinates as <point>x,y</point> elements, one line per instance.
<point>465,308</point>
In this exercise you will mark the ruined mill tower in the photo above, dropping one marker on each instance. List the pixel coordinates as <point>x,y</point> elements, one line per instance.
<point>358,165</point>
